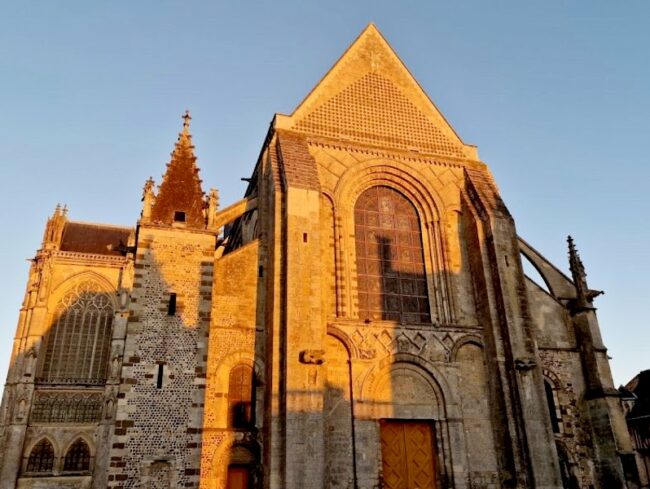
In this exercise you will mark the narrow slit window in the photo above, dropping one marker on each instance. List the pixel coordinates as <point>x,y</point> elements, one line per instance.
<point>304,237</point>
<point>171,307</point>
<point>553,407</point>
<point>159,379</point>
<point>179,216</point>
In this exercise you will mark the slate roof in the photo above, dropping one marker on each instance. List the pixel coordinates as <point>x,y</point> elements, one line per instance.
<point>99,239</point>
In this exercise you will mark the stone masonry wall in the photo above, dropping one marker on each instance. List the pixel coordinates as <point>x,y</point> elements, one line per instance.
<point>234,340</point>
<point>157,438</point>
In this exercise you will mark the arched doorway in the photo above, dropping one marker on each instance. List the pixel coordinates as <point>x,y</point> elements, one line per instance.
<point>242,469</point>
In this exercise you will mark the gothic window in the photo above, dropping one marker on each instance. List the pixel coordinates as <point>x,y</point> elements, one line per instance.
<point>240,397</point>
<point>553,406</point>
<point>78,342</point>
<point>66,407</point>
<point>41,458</point>
<point>78,457</point>
<point>390,260</point>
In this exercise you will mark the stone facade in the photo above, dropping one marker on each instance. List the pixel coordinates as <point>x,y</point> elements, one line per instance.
<point>360,319</point>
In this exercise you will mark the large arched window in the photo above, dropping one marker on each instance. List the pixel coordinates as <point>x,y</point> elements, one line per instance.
<point>41,458</point>
<point>77,459</point>
<point>240,397</point>
<point>392,280</point>
<point>77,344</point>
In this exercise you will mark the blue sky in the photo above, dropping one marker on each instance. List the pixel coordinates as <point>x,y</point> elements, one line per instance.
<point>555,95</point>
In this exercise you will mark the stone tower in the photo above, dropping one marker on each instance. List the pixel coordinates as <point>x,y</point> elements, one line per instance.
<point>59,400</point>
<point>157,438</point>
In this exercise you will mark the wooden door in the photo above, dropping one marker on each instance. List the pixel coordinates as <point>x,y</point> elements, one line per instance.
<point>238,477</point>
<point>408,456</point>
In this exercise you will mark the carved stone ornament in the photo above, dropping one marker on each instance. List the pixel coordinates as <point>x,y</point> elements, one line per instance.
<point>313,357</point>
<point>367,353</point>
<point>525,364</point>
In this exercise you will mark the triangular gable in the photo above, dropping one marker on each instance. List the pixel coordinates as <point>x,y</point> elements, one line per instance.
<point>370,97</point>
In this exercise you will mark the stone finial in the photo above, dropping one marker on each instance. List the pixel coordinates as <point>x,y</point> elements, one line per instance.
<point>213,206</point>
<point>148,197</point>
<point>186,121</point>
<point>584,295</point>
<point>54,228</point>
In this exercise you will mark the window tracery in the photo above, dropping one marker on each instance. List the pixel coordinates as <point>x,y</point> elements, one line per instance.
<point>41,458</point>
<point>392,280</point>
<point>66,407</point>
<point>77,459</point>
<point>78,342</point>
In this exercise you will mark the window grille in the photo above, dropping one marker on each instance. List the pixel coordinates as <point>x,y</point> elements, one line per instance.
<point>78,457</point>
<point>77,345</point>
<point>41,458</point>
<point>392,280</point>
<point>240,397</point>
<point>66,407</point>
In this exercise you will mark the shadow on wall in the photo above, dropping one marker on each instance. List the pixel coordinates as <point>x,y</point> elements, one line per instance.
<point>53,427</point>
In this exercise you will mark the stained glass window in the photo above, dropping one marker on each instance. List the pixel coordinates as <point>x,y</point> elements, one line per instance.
<point>41,458</point>
<point>390,261</point>
<point>78,457</point>
<point>77,344</point>
<point>240,397</point>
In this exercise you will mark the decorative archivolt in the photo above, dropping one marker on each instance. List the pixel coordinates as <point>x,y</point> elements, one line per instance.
<point>379,389</point>
<point>429,208</point>
<point>465,340</point>
<point>220,373</point>
<point>397,175</point>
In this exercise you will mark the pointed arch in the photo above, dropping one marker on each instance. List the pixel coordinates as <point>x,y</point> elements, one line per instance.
<point>377,387</point>
<point>77,456</point>
<point>552,386</point>
<point>94,279</point>
<point>76,346</point>
<point>41,456</point>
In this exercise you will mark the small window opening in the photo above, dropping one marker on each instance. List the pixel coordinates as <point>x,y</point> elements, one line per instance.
<point>159,379</point>
<point>304,237</point>
<point>260,271</point>
<point>179,216</point>
<point>171,307</point>
<point>552,407</point>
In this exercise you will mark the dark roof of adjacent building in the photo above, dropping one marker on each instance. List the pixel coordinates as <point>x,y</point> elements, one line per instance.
<point>640,387</point>
<point>99,239</point>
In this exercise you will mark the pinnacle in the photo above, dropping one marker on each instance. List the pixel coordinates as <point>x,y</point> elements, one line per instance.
<point>180,190</point>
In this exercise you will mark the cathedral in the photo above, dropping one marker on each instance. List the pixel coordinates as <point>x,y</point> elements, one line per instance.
<point>360,319</point>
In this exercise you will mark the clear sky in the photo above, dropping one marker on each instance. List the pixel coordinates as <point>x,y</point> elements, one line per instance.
<point>555,94</point>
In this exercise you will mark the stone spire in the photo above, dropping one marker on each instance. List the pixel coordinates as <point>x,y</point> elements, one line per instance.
<point>180,199</point>
<point>54,228</point>
<point>584,295</point>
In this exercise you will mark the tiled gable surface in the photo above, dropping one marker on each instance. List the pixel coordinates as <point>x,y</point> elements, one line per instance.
<point>297,164</point>
<point>373,110</point>
<point>369,97</point>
